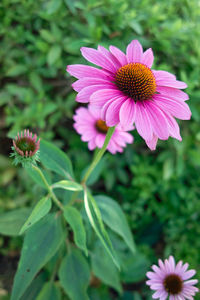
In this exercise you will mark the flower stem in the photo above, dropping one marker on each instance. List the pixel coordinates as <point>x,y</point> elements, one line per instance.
<point>49,188</point>
<point>98,155</point>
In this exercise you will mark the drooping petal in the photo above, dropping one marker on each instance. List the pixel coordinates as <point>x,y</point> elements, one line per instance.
<point>142,122</point>
<point>147,58</point>
<point>174,129</point>
<point>134,52</point>
<point>100,97</point>
<point>172,92</point>
<point>112,112</point>
<point>97,58</point>
<point>88,81</point>
<point>127,113</point>
<point>81,71</point>
<point>119,55</point>
<point>152,144</point>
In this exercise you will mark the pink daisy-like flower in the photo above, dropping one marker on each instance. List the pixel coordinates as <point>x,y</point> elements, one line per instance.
<point>93,129</point>
<point>171,280</point>
<point>128,91</point>
<point>25,144</point>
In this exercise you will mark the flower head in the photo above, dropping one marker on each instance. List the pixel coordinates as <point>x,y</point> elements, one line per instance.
<point>25,148</point>
<point>128,91</point>
<point>93,129</point>
<point>170,279</point>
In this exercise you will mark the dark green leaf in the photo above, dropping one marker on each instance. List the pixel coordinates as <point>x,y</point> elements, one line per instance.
<point>50,291</point>
<point>74,218</point>
<point>74,275</point>
<point>41,242</point>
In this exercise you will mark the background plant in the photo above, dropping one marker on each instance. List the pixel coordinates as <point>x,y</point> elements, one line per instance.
<point>158,191</point>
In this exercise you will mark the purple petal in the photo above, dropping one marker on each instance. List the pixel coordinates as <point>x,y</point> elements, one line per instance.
<point>99,140</point>
<point>191,282</point>
<point>100,97</point>
<point>147,58</point>
<point>171,83</point>
<point>158,121</point>
<point>110,56</point>
<point>98,59</point>
<point>163,75</point>
<point>171,262</point>
<point>81,71</point>
<point>142,122</point>
<point>188,274</point>
<point>152,275</point>
<point>88,81</point>
<point>92,145</point>
<point>84,95</point>
<point>172,92</point>
<point>174,129</point>
<point>177,108</point>
<point>152,144</point>
<point>134,52</point>
<point>112,112</point>
<point>127,113</point>
<point>121,57</point>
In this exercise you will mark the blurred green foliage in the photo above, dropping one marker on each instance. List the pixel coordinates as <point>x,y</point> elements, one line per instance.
<point>159,191</point>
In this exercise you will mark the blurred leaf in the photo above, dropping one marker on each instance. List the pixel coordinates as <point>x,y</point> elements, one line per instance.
<point>50,291</point>
<point>11,222</point>
<point>55,159</point>
<point>40,210</point>
<point>73,217</point>
<point>54,54</point>
<point>16,70</point>
<point>114,217</point>
<point>74,275</point>
<point>67,185</point>
<point>41,242</point>
<point>53,6</point>
<point>34,288</point>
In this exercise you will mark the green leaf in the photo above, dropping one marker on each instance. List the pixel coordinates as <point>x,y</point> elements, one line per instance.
<point>74,219</point>
<point>55,159</point>
<point>35,176</point>
<point>50,291</point>
<point>35,287</point>
<point>67,185</point>
<point>16,70</point>
<point>54,54</point>
<point>114,218</point>
<point>11,222</point>
<point>41,242</point>
<point>104,269</point>
<point>40,210</point>
<point>74,275</point>
<point>94,216</point>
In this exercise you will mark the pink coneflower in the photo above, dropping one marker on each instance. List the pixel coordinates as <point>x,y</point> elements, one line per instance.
<point>93,129</point>
<point>26,144</point>
<point>128,91</point>
<point>171,280</point>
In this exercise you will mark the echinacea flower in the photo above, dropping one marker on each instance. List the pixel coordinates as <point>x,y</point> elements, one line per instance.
<point>26,147</point>
<point>170,279</point>
<point>93,129</point>
<point>128,91</point>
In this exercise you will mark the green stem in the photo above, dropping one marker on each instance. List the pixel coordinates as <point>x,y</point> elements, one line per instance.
<point>99,154</point>
<point>49,188</point>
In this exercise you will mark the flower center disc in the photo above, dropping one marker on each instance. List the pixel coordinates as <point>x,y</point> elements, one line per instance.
<point>136,80</point>
<point>101,126</point>
<point>173,284</point>
<point>25,144</point>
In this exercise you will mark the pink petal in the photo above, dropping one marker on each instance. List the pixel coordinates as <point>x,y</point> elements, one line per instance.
<point>81,71</point>
<point>172,92</point>
<point>158,121</point>
<point>147,58</point>
<point>121,57</point>
<point>163,75</point>
<point>127,113</point>
<point>158,271</point>
<point>172,263</point>
<point>105,107</point>
<point>152,144</point>
<point>177,108</point>
<point>191,282</point>
<point>134,52</point>
<point>159,294</point>
<point>128,138</point>
<point>188,274</point>
<point>174,129</point>
<point>152,275</point>
<point>97,58</point>
<point>112,112</point>
<point>88,135</point>
<point>110,56</point>
<point>88,81</point>
<point>179,267</point>
<point>142,122</point>
<point>84,95</point>
<point>100,97</point>
<point>92,145</point>
<point>99,140</point>
<point>171,83</point>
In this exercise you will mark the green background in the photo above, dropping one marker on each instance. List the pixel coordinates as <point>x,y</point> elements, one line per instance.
<point>159,191</point>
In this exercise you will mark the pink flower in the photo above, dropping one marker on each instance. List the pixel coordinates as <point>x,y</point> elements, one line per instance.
<point>128,91</point>
<point>171,280</point>
<point>25,144</point>
<point>93,129</point>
